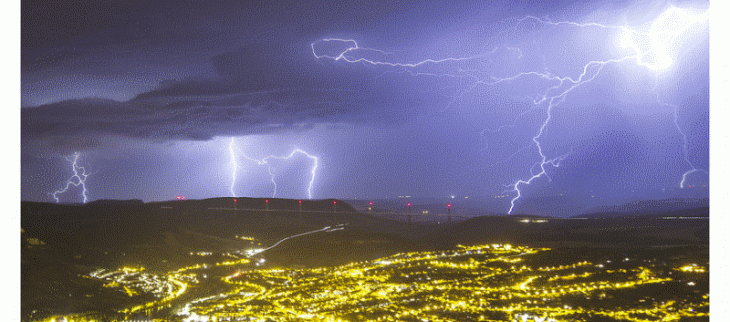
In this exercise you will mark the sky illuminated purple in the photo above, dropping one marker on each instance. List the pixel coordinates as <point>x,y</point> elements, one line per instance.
<point>603,100</point>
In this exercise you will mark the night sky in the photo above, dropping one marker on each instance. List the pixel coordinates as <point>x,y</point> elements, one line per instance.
<point>154,99</point>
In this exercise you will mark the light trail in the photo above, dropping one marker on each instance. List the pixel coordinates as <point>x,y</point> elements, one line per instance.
<point>325,229</point>
<point>652,49</point>
<point>77,179</point>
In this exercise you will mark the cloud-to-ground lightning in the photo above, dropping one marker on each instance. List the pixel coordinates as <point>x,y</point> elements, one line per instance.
<point>653,47</point>
<point>267,162</point>
<point>654,51</point>
<point>234,165</point>
<point>685,152</point>
<point>77,179</point>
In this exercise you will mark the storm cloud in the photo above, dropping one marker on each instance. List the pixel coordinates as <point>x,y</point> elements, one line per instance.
<point>396,98</point>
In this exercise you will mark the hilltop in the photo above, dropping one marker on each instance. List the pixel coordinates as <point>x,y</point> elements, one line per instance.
<point>62,243</point>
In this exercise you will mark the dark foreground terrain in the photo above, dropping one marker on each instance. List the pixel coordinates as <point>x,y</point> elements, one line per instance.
<point>200,259</point>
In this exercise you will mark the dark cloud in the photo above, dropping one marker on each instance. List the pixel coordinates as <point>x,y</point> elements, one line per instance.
<point>269,86</point>
<point>129,80</point>
<point>265,77</point>
<point>200,110</point>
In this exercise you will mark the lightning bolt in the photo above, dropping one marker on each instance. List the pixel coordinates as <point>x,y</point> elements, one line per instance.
<point>553,97</point>
<point>685,151</point>
<point>353,46</point>
<point>652,49</point>
<point>234,165</point>
<point>294,152</point>
<point>665,30</point>
<point>77,179</point>
<point>269,167</point>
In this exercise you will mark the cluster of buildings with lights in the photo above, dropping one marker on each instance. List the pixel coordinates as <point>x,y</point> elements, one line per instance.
<point>479,283</point>
<point>470,283</point>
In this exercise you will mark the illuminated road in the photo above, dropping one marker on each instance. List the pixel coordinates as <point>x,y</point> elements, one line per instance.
<point>325,229</point>
<point>497,282</point>
<point>475,283</point>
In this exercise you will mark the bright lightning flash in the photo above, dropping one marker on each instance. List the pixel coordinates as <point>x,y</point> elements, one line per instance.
<point>654,49</point>
<point>267,162</point>
<point>685,151</point>
<point>234,165</point>
<point>78,179</point>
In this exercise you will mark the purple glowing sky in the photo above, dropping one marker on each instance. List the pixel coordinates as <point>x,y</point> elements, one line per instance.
<point>608,99</point>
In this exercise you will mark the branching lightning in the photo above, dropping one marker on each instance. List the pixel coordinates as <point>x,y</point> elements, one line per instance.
<point>77,179</point>
<point>653,49</point>
<point>685,151</point>
<point>270,168</point>
<point>353,46</point>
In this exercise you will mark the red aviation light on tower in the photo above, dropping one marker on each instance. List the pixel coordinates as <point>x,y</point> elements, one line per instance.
<point>300,201</point>
<point>235,200</point>
<point>334,202</point>
<point>370,203</point>
<point>408,204</point>
<point>266,200</point>
<point>448,206</point>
